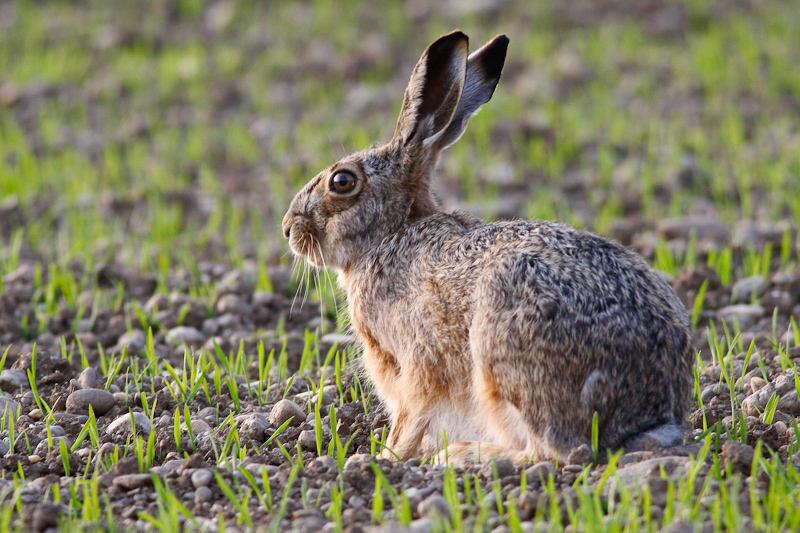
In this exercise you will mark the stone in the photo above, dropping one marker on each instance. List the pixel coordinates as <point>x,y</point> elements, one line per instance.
<point>285,410</point>
<point>356,467</point>
<point>45,516</point>
<point>504,468</point>
<point>233,304</point>
<point>181,335</point>
<point>635,475</point>
<point>540,472</point>
<point>133,481</point>
<point>324,463</point>
<point>435,504</point>
<point>744,289</point>
<point>704,228</point>
<point>100,400</point>
<point>253,426</point>
<point>12,380</point>
<point>202,494</point>
<point>307,439</point>
<point>582,455</point>
<point>173,465</point>
<point>135,340</point>
<point>201,477</point>
<point>123,424</point>
<point>739,456</point>
<point>329,393</point>
<point>744,314</point>
<point>88,378</point>
<point>7,405</point>
<point>199,426</point>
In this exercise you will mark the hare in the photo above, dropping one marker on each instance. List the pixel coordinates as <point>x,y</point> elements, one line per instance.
<point>504,340</point>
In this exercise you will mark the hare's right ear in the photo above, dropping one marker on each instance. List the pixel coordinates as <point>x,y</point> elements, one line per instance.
<point>484,67</point>
<point>434,90</point>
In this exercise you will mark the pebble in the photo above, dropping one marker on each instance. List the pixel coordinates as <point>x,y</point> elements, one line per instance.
<point>744,314</point>
<point>711,391</point>
<point>757,383</point>
<point>283,411</point>
<point>233,304</point>
<point>201,477</point>
<point>744,289</point>
<point>540,471</point>
<point>123,424</point>
<point>253,426</point>
<point>173,465</point>
<point>504,468</point>
<point>88,378</point>
<point>582,455</point>
<point>121,398</point>
<point>7,405</point>
<point>329,393</point>
<point>308,439</point>
<point>135,340</point>
<point>433,505</point>
<point>45,516</point>
<point>636,474</point>
<point>324,463</point>
<point>356,466</point>
<point>705,228</point>
<point>100,400</point>
<point>133,481</point>
<point>202,494</point>
<point>738,456</point>
<point>199,426</point>
<point>12,380</point>
<point>181,335</point>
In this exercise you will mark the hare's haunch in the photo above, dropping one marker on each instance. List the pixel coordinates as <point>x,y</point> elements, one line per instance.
<point>505,337</point>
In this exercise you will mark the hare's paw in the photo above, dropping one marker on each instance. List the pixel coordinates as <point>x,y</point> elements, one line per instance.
<point>463,453</point>
<point>388,453</point>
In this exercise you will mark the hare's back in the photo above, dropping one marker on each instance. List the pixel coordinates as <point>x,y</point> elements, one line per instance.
<point>574,275</point>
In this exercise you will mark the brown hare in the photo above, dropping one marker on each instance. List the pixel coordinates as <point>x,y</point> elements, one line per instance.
<point>505,337</point>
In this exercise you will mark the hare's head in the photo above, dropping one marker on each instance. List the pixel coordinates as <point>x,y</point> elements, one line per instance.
<point>363,198</point>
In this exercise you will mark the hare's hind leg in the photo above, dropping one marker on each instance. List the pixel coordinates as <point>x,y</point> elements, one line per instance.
<point>524,363</point>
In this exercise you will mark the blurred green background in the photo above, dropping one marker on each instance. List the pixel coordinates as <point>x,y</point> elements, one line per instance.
<point>160,133</point>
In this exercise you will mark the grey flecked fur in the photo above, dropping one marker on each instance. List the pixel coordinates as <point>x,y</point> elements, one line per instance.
<point>509,336</point>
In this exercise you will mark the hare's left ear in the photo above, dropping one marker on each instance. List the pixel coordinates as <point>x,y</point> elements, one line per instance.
<point>484,68</point>
<point>433,91</point>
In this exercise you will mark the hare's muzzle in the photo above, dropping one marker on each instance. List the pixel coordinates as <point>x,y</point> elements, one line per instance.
<point>286,224</point>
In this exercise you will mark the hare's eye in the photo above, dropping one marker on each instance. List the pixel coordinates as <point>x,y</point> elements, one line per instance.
<point>343,183</point>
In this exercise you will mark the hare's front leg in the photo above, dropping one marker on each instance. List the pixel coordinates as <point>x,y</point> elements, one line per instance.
<point>405,435</point>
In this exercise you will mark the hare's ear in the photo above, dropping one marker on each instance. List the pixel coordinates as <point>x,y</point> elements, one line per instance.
<point>484,67</point>
<point>434,90</point>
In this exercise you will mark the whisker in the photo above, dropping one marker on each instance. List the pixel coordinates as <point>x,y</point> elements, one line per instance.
<point>300,264</point>
<point>329,281</point>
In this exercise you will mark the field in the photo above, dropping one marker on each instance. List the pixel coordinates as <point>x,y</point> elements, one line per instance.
<point>166,364</point>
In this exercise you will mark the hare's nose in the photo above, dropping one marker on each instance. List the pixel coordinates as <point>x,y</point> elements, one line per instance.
<point>286,225</point>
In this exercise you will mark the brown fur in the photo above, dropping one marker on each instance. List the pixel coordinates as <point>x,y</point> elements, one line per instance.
<point>506,338</point>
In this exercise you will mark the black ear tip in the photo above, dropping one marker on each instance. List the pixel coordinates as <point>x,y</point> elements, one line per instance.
<point>455,36</point>
<point>493,55</point>
<point>500,42</point>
